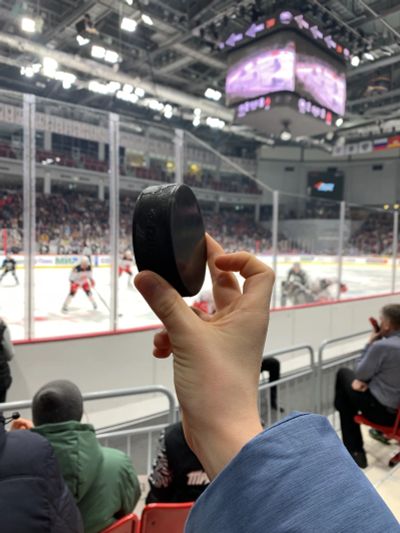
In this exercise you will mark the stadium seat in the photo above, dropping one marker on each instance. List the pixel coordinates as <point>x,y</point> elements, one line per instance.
<point>390,432</point>
<point>164,517</point>
<point>128,524</point>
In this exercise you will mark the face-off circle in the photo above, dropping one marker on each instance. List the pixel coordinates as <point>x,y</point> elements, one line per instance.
<point>169,237</point>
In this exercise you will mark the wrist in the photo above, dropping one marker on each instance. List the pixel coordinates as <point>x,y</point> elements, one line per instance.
<point>216,447</point>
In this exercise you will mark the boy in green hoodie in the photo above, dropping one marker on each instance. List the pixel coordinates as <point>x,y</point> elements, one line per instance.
<point>102,480</point>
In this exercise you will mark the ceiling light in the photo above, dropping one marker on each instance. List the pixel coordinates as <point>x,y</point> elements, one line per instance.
<point>196,122</point>
<point>66,77</point>
<point>111,56</point>
<point>127,88</point>
<point>127,97</point>
<point>82,40</point>
<point>213,94</point>
<point>28,25</point>
<point>286,134</point>
<point>386,207</point>
<point>128,24</point>
<point>98,51</point>
<point>369,56</point>
<point>168,111</point>
<point>147,19</point>
<point>98,87</point>
<point>139,92</point>
<point>37,67</point>
<point>113,86</point>
<point>50,66</point>
<point>129,2</point>
<point>197,111</point>
<point>215,123</point>
<point>27,71</point>
<point>339,122</point>
<point>355,61</point>
<point>155,105</point>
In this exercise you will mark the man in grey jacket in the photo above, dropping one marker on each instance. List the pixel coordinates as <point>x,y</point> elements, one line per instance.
<point>6,354</point>
<point>374,388</point>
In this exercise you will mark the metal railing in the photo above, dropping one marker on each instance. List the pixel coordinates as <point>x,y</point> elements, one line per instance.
<point>308,388</point>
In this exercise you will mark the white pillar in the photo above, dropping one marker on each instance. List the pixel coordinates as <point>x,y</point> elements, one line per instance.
<point>47,183</point>
<point>257,212</point>
<point>47,141</point>
<point>102,152</point>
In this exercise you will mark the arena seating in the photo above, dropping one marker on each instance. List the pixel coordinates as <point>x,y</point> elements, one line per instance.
<point>164,517</point>
<point>392,432</point>
<point>127,524</point>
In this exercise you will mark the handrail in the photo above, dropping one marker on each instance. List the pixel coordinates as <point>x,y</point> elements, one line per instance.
<point>283,351</point>
<point>108,394</point>
<point>328,342</point>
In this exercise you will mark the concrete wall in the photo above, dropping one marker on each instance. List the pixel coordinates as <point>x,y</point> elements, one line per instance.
<point>286,169</point>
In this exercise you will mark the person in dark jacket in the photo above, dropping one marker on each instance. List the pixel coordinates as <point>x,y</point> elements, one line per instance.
<point>6,354</point>
<point>34,497</point>
<point>177,474</point>
<point>102,480</point>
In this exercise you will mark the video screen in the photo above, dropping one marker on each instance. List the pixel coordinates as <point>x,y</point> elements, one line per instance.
<point>328,185</point>
<point>286,61</point>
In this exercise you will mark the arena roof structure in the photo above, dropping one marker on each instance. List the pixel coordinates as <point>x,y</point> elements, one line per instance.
<point>162,61</point>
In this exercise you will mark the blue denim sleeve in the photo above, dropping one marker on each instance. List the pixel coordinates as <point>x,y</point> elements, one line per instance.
<point>295,477</point>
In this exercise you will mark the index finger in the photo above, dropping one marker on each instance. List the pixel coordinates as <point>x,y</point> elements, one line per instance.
<point>259,278</point>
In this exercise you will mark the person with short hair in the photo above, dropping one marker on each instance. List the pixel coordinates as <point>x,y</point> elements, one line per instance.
<point>177,475</point>
<point>7,352</point>
<point>34,497</point>
<point>373,389</point>
<point>102,480</point>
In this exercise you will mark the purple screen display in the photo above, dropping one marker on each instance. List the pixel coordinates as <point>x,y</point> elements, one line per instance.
<point>286,62</point>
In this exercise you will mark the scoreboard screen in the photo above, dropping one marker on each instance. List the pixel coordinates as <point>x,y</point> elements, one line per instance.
<point>328,185</point>
<point>286,61</point>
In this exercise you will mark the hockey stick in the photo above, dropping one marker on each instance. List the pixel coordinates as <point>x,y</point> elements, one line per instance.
<point>103,301</point>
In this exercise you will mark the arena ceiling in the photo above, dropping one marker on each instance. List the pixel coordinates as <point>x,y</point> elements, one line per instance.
<point>176,57</point>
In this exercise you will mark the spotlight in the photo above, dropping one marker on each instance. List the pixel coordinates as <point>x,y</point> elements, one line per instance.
<point>215,123</point>
<point>127,88</point>
<point>82,41</point>
<point>355,61</point>
<point>98,51</point>
<point>111,56</point>
<point>50,66</point>
<point>369,56</point>
<point>147,19</point>
<point>28,25</point>
<point>339,122</point>
<point>139,92</point>
<point>168,111</point>
<point>128,24</point>
<point>286,134</point>
<point>213,94</point>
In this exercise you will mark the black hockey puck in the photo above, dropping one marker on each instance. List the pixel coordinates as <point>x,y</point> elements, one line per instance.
<point>169,238</point>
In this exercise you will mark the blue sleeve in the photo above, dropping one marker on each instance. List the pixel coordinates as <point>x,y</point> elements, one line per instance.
<point>370,362</point>
<point>294,477</point>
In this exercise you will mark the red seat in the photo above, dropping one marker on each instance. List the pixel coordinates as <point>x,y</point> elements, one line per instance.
<point>164,517</point>
<point>128,524</point>
<point>390,432</point>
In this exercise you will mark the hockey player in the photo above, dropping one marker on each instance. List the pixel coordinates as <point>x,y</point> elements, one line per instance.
<point>9,266</point>
<point>297,275</point>
<point>81,276</point>
<point>125,265</point>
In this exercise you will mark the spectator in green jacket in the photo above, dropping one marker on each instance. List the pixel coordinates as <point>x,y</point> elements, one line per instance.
<point>102,480</point>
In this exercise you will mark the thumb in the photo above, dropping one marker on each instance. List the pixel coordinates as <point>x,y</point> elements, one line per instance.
<point>165,301</point>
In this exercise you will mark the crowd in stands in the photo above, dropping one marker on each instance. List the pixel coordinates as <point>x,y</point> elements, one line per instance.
<point>374,236</point>
<point>67,220</point>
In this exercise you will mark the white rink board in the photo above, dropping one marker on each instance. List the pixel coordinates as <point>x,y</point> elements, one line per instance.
<point>362,278</point>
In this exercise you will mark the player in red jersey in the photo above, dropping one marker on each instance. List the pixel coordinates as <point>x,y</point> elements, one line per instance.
<point>81,277</point>
<point>125,265</point>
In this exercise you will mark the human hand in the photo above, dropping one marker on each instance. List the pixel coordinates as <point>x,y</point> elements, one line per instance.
<point>375,336</point>
<point>359,386</point>
<point>21,423</point>
<point>217,357</point>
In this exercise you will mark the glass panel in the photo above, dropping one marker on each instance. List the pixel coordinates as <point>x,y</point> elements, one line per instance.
<point>72,220</point>
<point>12,297</point>
<point>308,240</point>
<point>146,158</point>
<point>237,211</point>
<point>367,265</point>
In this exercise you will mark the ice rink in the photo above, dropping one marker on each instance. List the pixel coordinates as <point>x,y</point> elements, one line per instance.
<point>52,286</point>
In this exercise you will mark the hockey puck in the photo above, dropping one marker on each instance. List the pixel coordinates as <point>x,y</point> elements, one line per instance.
<point>169,238</point>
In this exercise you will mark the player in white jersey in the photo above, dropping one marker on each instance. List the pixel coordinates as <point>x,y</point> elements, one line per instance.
<point>125,265</point>
<point>81,277</point>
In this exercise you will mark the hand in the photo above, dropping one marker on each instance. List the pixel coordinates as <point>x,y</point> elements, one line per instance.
<point>359,386</point>
<point>375,336</point>
<point>217,358</point>
<point>21,423</point>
